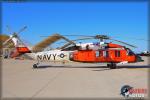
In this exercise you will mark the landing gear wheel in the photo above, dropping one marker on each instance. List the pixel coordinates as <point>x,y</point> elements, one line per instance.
<point>108,65</point>
<point>112,66</point>
<point>35,66</point>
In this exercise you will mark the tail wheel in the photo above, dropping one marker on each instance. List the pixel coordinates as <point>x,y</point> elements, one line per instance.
<point>35,66</point>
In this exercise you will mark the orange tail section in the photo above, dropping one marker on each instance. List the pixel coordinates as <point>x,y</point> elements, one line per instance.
<point>23,50</point>
<point>19,51</point>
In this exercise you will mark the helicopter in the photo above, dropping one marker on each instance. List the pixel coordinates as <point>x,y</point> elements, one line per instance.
<point>100,52</point>
<point>104,52</point>
<point>36,52</point>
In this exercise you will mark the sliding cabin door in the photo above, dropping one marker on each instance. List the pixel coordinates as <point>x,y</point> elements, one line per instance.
<point>118,56</point>
<point>105,55</point>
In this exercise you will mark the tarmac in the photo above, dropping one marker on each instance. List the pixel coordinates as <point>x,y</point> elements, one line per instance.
<point>70,80</point>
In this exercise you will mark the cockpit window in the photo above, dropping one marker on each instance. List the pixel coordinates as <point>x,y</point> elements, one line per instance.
<point>129,52</point>
<point>117,53</point>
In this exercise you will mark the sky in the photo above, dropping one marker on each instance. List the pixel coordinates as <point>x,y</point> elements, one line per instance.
<point>125,21</point>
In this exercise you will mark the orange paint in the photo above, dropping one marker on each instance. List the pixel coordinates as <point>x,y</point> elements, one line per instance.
<point>19,51</point>
<point>23,50</point>
<point>113,53</point>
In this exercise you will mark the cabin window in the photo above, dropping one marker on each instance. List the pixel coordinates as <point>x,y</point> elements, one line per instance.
<point>97,53</point>
<point>106,53</point>
<point>117,53</point>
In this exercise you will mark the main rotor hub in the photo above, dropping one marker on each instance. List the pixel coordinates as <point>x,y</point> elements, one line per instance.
<point>14,35</point>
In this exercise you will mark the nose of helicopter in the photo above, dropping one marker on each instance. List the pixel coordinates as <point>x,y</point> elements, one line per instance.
<point>139,59</point>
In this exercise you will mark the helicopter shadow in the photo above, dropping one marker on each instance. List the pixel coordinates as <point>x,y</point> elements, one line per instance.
<point>68,66</point>
<point>94,68</point>
<point>138,66</point>
<point>129,67</point>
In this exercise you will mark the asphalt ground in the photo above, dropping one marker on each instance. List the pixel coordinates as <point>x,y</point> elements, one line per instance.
<point>70,80</point>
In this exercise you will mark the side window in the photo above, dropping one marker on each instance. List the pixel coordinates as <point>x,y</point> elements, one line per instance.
<point>106,53</point>
<point>117,53</point>
<point>97,53</point>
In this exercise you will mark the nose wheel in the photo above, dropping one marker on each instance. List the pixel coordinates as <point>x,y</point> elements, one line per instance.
<point>35,65</point>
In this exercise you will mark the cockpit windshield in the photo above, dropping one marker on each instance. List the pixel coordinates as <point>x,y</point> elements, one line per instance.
<point>129,52</point>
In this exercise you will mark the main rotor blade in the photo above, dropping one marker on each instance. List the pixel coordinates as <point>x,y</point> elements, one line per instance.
<point>73,36</point>
<point>7,41</point>
<point>9,29</point>
<point>124,43</point>
<point>78,39</point>
<point>68,40</point>
<point>64,46</point>
<point>142,39</point>
<point>80,35</point>
<point>22,29</point>
<point>45,36</point>
<point>82,39</point>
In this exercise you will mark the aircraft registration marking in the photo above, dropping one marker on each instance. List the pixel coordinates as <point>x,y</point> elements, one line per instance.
<point>49,56</point>
<point>46,57</point>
